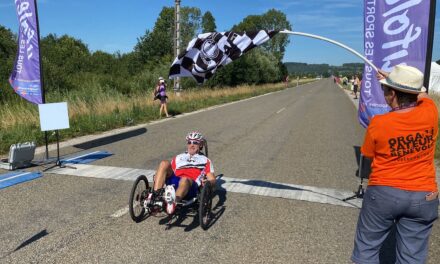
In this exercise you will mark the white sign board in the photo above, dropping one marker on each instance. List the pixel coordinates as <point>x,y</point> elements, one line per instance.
<point>53,116</point>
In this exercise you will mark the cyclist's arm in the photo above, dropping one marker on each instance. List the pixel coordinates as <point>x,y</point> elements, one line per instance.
<point>211,178</point>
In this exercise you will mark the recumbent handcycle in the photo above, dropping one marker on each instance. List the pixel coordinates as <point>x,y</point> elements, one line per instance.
<point>140,206</point>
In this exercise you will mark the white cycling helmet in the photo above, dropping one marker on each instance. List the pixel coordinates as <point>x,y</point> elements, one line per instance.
<point>194,135</point>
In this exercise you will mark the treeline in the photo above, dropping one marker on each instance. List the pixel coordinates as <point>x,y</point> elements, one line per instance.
<point>69,65</point>
<point>299,69</point>
<point>325,70</point>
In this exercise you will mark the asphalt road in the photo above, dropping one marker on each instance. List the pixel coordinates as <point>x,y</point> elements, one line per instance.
<point>303,135</point>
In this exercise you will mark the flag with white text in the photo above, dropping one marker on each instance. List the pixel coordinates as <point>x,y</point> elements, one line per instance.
<point>25,77</point>
<point>210,51</point>
<point>395,32</point>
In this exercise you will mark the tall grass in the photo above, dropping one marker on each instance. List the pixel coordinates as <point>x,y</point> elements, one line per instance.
<point>94,110</point>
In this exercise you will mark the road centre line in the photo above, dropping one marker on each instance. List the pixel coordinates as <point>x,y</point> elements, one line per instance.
<point>281,110</point>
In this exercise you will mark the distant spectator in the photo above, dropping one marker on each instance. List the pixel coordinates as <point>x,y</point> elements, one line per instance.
<point>356,83</point>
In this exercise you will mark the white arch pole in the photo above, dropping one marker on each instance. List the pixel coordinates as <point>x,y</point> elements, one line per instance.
<point>331,41</point>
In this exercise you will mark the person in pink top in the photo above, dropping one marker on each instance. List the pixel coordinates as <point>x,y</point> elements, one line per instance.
<point>160,93</point>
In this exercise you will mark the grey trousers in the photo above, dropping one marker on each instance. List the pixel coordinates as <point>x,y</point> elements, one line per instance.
<point>383,207</point>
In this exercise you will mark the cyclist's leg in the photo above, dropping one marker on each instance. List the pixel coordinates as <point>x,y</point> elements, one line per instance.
<point>185,185</point>
<point>163,172</point>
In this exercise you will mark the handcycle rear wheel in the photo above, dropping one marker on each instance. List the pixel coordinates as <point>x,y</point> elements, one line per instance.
<point>139,193</point>
<point>205,205</point>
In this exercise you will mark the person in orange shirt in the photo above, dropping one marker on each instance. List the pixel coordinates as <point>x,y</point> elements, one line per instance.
<point>402,188</point>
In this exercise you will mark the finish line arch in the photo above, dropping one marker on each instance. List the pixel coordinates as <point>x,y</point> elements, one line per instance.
<point>331,41</point>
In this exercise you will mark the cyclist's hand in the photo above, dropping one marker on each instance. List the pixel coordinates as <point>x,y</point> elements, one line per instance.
<point>204,180</point>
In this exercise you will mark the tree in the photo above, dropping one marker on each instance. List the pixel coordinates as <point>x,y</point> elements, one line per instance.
<point>102,62</point>
<point>271,20</point>
<point>190,21</point>
<point>261,65</point>
<point>8,48</point>
<point>63,58</point>
<point>208,22</point>
<point>159,42</point>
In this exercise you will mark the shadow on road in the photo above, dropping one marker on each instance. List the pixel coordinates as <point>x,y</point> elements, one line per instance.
<point>111,139</point>
<point>34,238</point>
<point>279,186</point>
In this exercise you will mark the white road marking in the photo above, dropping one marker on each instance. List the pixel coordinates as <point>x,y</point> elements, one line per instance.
<point>15,176</point>
<point>281,110</point>
<point>104,172</point>
<point>120,212</point>
<point>234,185</point>
<point>80,156</point>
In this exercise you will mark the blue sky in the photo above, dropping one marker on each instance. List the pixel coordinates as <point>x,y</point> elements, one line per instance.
<point>115,25</point>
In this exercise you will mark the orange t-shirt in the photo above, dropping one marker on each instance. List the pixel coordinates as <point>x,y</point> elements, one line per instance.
<point>402,146</point>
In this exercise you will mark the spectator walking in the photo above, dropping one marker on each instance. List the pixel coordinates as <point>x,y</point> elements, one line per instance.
<point>160,93</point>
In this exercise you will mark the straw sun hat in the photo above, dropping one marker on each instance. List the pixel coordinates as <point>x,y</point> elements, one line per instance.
<point>406,79</point>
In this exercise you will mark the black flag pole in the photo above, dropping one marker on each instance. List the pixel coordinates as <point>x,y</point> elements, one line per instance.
<point>43,93</point>
<point>431,25</point>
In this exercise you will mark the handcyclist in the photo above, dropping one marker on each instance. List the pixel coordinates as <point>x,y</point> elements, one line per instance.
<point>186,172</point>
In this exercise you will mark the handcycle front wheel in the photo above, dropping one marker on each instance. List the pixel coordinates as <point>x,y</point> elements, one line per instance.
<point>139,193</point>
<point>205,205</point>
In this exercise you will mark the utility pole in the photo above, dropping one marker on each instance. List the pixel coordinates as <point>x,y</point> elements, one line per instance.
<point>177,87</point>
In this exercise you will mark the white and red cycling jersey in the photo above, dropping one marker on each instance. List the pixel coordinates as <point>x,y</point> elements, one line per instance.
<point>185,165</point>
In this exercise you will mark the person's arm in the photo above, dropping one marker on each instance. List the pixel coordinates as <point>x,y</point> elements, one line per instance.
<point>368,147</point>
<point>422,95</point>
<point>381,74</point>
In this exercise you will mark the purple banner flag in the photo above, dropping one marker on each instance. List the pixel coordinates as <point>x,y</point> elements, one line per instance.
<point>25,77</point>
<point>395,32</point>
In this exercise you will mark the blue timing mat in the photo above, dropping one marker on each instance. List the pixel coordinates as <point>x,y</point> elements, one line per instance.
<point>86,158</point>
<point>16,177</point>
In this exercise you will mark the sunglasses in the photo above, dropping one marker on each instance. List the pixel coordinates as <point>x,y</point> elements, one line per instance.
<point>193,142</point>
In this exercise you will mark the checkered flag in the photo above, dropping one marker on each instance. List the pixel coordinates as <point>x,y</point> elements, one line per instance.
<point>210,51</point>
